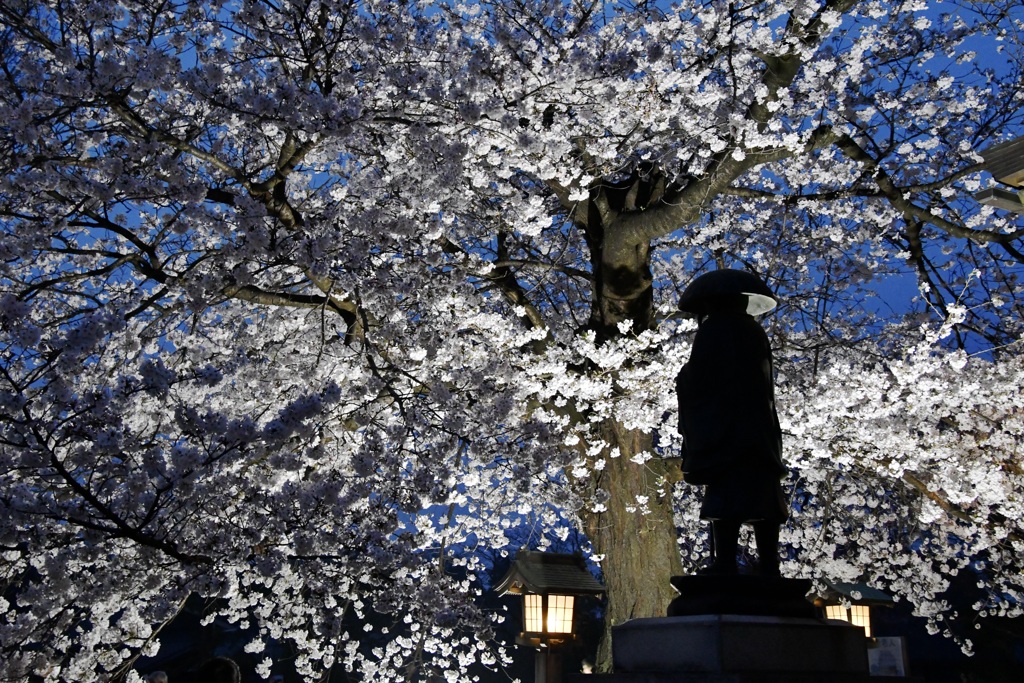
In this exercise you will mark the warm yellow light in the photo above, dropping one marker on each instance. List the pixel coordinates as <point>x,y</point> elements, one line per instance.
<point>858,615</point>
<point>836,612</point>
<point>560,613</point>
<point>534,613</point>
<point>551,611</point>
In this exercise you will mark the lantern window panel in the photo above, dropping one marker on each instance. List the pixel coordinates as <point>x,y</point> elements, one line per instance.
<point>836,612</point>
<point>534,613</point>
<point>860,615</point>
<point>560,613</point>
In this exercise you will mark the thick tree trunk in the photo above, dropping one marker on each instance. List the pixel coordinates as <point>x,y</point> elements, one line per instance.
<point>635,532</point>
<point>640,549</point>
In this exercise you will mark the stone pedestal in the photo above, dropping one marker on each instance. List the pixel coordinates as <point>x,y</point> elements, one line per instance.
<point>726,647</point>
<point>690,677</point>
<point>737,629</point>
<point>742,594</point>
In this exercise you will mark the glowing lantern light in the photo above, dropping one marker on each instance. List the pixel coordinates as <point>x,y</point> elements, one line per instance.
<point>858,615</point>
<point>549,584</point>
<point>852,603</point>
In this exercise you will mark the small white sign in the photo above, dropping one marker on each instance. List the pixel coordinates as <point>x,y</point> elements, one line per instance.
<point>887,657</point>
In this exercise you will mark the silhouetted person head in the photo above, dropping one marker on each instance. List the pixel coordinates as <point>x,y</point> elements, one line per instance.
<point>722,303</point>
<point>219,670</point>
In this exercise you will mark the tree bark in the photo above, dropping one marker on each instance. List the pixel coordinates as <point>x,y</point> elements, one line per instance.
<point>635,531</point>
<point>640,551</point>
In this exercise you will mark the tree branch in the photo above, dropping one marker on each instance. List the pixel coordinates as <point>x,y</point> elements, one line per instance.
<point>952,509</point>
<point>897,197</point>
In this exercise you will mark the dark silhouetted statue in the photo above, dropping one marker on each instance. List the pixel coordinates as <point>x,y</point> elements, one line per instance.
<point>732,441</point>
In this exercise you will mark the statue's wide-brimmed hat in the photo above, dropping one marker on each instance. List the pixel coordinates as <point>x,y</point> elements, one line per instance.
<point>701,294</point>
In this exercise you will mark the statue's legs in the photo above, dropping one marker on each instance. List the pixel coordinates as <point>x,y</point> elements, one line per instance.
<point>766,534</point>
<point>725,534</point>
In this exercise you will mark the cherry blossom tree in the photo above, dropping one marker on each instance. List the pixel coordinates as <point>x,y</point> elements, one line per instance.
<point>297,295</point>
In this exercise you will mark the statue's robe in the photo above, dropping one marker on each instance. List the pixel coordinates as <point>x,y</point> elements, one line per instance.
<point>732,439</point>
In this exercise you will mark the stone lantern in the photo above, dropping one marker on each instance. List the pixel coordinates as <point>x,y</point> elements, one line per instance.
<point>549,584</point>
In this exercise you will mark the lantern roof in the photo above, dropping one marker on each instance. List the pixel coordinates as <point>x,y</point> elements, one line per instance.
<point>537,572</point>
<point>858,594</point>
<point>1005,161</point>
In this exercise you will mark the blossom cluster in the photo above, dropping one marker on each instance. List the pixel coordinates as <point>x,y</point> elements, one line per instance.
<point>296,298</point>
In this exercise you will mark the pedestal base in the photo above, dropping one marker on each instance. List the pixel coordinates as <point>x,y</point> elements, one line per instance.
<point>693,677</point>
<point>740,645</point>
<point>737,629</point>
<point>741,594</point>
